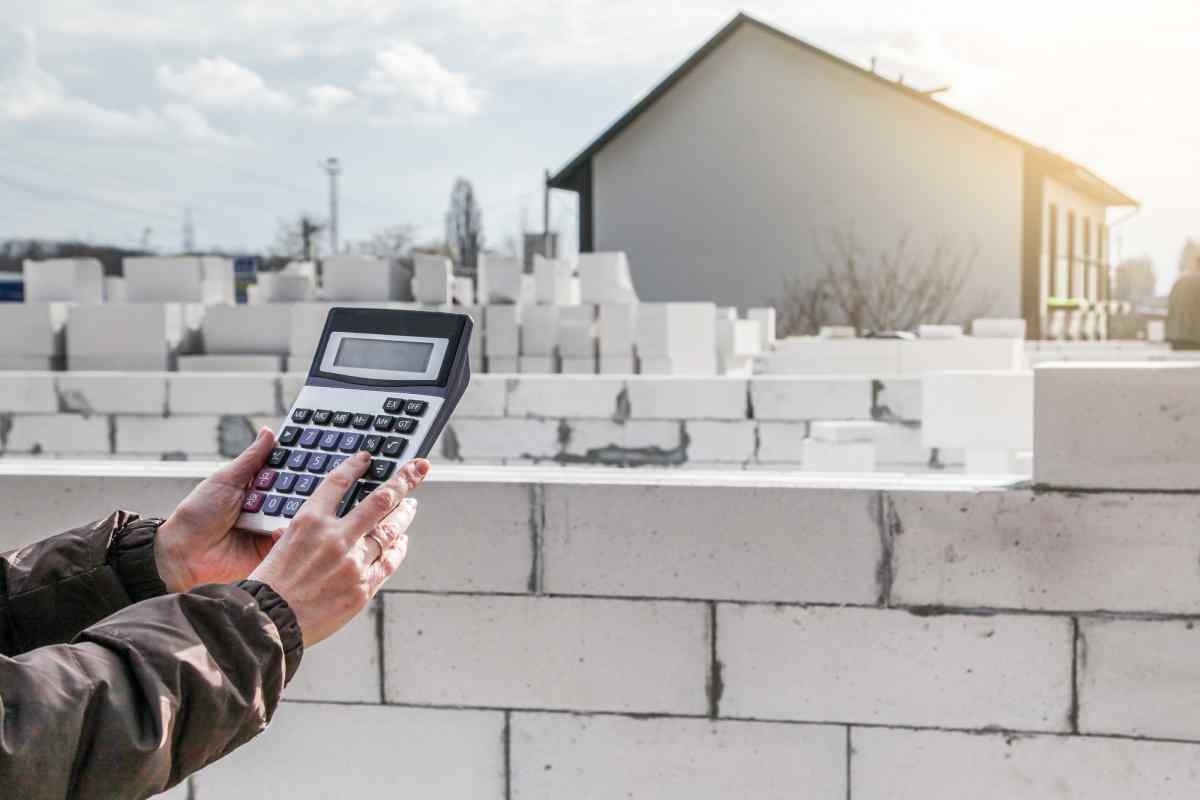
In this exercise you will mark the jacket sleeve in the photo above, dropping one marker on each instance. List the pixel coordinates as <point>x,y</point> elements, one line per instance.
<point>147,696</point>
<point>53,589</point>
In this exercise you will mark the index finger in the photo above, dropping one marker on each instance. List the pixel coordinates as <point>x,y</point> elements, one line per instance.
<point>379,503</point>
<point>327,497</point>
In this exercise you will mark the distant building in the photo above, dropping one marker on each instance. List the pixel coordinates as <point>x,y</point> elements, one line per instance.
<point>1135,279</point>
<point>722,181</point>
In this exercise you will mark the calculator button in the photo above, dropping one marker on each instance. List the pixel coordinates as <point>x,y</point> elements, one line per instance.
<point>289,435</point>
<point>253,502</point>
<point>394,446</point>
<point>291,506</point>
<point>297,460</point>
<point>265,479</point>
<point>317,462</point>
<point>381,470</point>
<point>335,462</point>
<point>341,419</point>
<point>362,421</point>
<point>310,438</point>
<point>278,457</point>
<point>301,415</point>
<point>307,484</point>
<point>322,417</point>
<point>330,439</point>
<point>285,481</point>
<point>393,405</point>
<point>361,491</point>
<point>384,422</point>
<point>273,505</point>
<point>372,443</point>
<point>350,442</point>
<point>415,408</point>
<point>406,425</point>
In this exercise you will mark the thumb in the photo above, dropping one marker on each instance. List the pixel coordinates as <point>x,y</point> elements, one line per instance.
<point>242,469</point>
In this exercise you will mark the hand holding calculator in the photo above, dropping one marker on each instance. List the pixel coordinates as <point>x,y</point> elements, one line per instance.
<point>382,381</point>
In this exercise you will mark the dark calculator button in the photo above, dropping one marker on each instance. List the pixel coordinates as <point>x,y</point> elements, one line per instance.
<point>381,470</point>
<point>253,501</point>
<point>335,462</point>
<point>310,438</point>
<point>372,443</point>
<point>415,408</point>
<point>265,479</point>
<point>285,482</point>
<point>364,489</point>
<point>350,442</point>
<point>288,436</point>
<point>297,460</point>
<point>301,415</point>
<point>362,421</point>
<point>317,462</point>
<point>291,506</point>
<point>393,405</point>
<point>322,417</point>
<point>406,425</point>
<point>341,419</point>
<point>273,505</point>
<point>307,484</point>
<point>278,457</point>
<point>330,439</point>
<point>384,422</point>
<point>394,446</point>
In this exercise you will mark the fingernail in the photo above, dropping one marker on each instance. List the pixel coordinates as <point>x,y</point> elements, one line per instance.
<point>422,468</point>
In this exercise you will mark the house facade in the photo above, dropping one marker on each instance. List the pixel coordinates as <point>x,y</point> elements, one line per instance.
<point>738,170</point>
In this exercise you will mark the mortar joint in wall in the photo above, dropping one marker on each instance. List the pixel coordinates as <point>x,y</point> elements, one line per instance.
<point>537,527</point>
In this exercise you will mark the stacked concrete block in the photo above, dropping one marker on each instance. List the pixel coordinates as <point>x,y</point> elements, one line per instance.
<point>681,397</point>
<point>616,333</point>
<point>502,344</point>
<point>765,317</point>
<point>576,338</point>
<point>492,440</point>
<point>486,396</point>
<point>304,333</point>
<point>820,454</point>
<point>717,442</point>
<point>577,365</point>
<point>815,355</point>
<point>27,393</point>
<point>781,443</point>
<point>595,397</point>
<point>230,363</point>
<point>114,289</point>
<point>463,292</point>
<point>192,437</point>
<point>247,330</point>
<point>433,279</point>
<point>677,338</point>
<point>75,280</point>
<point>155,279</point>
<point>539,331</point>
<point>739,341</point>
<point>784,398</point>
<point>58,434</point>
<point>286,287</point>
<point>939,331</point>
<point>218,284</point>
<point>554,281</point>
<point>223,393</point>
<point>658,443</point>
<point>132,336</point>
<point>32,335</point>
<point>90,393</point>
<point>987,414</point>
<point>998,328</point>
<point>500,280</point>
<point>965,353</point>
<point>605,278</point>
<point>362,279</point>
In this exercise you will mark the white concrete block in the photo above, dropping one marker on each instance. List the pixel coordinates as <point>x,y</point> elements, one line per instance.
<point>577,365</point>
<point>1047,551</point>
<point>290,384</point>
<point>286,287</point>
<point>114,289</point>
<point>113,392</point>
<point>158,279</point>
<point>345,667</point>
<point>503,365</point>
<point>887,667</point>
<point>781,442</point>
<point>1139,678</point>
<point>998,328</point>
<point>552,279</point>
<point>75,280</point>
<point>759,544</point>
<point>977,410</point>
<point>942,765</point>
<point>653,397</point>
<point>557,755</point>
<point>625,443</point>
<point>463,292</point>
<point>58,434</point>
<point>1119,426</point>
<point>195,436</point>
<point>824,456</point>
<point>223,393</point>
<point>940,331</point>
<point>363,279</point>
<point>27,393</point>
<point>713,441</point>
<point>925,355</point>
<point>765,317</point>
<point>842,431</point>
<point>814,355</point>
<point>895,399</point>
<point>217,283</point>
<point>499,279</point>
<point>484,545</point>
<point>899,448</point>
<point>540,652</point>
<point>317,751</point>
<point>658,366</point>
<point>29,363</point>
<point>616,329</point>
<point>738,342</point>
<point>561,396</point>
<point>576,335</point>
<point>791,398</point>
<point>683,332</point>
<point>503,438</point>
<point>231,363</point>
<point>32,330</point>
<point>503,324</point>
<point>144,332</point>
<point>308,321</point>
<point>543,365</point>
<point>605,278</point>
<point>616,365</point>
<point>244,329</point>
<point>486,396</point>
<point>433,279</point>
<point>539,330</point>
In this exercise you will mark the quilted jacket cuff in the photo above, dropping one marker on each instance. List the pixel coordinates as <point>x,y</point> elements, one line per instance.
<point>131,555</point>
<point>275,607</point>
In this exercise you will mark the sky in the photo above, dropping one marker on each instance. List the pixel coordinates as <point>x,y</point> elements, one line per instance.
<point>116,117</point>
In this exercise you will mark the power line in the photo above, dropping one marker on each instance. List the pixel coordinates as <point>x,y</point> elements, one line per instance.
<point>53,192</point>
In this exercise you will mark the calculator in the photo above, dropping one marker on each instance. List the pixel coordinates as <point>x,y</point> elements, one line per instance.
<point>382,380</point>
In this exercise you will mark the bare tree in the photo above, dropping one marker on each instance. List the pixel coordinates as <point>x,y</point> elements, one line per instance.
<point>297,239</point>
<point>464,225</point>
<point>394,241</point>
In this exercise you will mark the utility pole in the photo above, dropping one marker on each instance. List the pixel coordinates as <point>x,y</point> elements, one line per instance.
<point>546,204</point>
<point>333,167</point>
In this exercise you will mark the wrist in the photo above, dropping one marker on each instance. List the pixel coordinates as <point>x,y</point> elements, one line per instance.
<point>172,565</point>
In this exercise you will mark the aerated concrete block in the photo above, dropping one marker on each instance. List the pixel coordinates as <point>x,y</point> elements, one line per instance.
<point>552,279</point>
<point>632,443</point>
<point>500,280</point>
<point>843,431</point>
<point>156,279</point>
<point>486,396</point>
<point>433,279</point>
<point>484,439</point>
<point>503,324</point>
<point>143,334</point>
<point>577,365</point>
<point>926,355</point>
<point>781,442</point>
<point>682,332</point>
<point>360,278</point>
<point>113,392</point>
<point>682,397</point>
<point>765,317</point>
<point>537,365</point>
<point>58,434</point>
<point>977,410</point>
<point>576,334</point>
<point>824,456</point>
<point>617,365</point>
<point>616,329</point>
<point>503,365</point>
<point>243,330</point>
<point>562,396</point>
<point>32,331</point>
<point>605,278</point>
<point>231,363</point>
<point>286,287</point>
<point>998,328</point>
<point>791,398</point>
<point>223,393</point>
<point>27,393</point>
<point>197,437</point>
<point>539,330</point>
<point>75,280</point>
<point>724,442</point>
<point>345,667</point>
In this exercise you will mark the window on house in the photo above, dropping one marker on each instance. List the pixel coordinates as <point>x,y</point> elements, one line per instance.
<point>1089,268</point>
<point>1055,283</point>
<point>1073,287</point>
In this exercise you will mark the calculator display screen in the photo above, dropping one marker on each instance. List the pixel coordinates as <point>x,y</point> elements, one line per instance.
<point>383,354</point>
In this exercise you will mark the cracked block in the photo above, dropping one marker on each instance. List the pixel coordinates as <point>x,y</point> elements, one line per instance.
<point>223,393</point>
<point>632,443</point>
<point>58,434</point>
<point>27,393</point>
<point>579,396</point>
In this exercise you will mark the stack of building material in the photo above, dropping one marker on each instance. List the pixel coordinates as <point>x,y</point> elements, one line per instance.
<point>361,279</point>
<point>989,414</point>
<point>739,341</point>
<point>151,279</point>
<point>605,278</point>
<point>433,279</point>
<point>539,331</point>
<point>130,336</point>
<point>765,317</point>
<point>463,292</point>
<point>241,338</point>
<point>502,345</point>
<point>295,283</point>
<point>500,280</point>
<point>75,280</point>
<point>616,329</point>
<point>841,446</point>
<point>999,328</point>
<point>555,282</point>
<point>577,339</point>
<point>31,335</point>
<point>114,289</point>
<point>218,283</point>
<point>677,338</point>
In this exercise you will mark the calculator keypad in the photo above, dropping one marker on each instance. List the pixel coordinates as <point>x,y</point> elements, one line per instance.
<point>318,440</point>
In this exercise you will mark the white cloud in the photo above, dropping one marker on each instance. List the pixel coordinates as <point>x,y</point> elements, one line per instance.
<point>409,82</point>
<point>325,98</point>
<point>221,83</point>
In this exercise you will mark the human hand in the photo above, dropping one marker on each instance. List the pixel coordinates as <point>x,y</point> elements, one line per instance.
<point>198,543</point>
<point>328,569</point>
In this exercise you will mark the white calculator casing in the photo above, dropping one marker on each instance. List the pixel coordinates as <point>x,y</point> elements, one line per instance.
<point>366,358</point>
